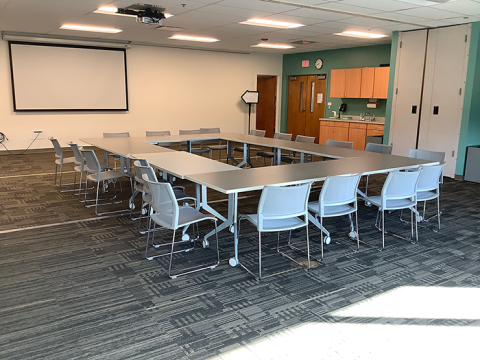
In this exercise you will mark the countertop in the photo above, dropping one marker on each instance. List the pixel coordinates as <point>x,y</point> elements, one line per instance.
<point>356,119</point>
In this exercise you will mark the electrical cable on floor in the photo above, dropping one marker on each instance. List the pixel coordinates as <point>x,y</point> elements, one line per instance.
<point>3,137</point>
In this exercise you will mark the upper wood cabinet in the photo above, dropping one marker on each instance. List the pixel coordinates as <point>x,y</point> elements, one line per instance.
<point>337,83</point>
<point>368,78</point>
<point>380,86</point>
<point>367,83</point>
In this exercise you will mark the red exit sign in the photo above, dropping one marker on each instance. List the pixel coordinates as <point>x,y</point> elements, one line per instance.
<point>305,63</point>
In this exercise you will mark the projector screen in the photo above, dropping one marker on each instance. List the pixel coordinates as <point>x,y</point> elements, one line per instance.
<point>48,77</point>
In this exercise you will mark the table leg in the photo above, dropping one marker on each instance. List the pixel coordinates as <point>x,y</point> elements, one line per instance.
<point>229,153</point>
<point>278,159</point>
<point>302,157</point>
<point>189,146</point>
<point>105,157</point>
<point>232,214</point>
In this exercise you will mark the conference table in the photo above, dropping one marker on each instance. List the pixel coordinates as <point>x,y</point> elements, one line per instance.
<point>230,180</point>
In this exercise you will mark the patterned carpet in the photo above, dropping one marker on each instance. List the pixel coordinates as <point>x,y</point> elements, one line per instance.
<point>74,286</point>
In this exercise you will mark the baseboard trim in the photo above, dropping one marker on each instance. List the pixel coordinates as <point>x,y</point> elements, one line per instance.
<point>458,177</point>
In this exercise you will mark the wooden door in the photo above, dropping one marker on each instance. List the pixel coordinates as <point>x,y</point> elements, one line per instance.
<point>380,86</point>
<point>366,87</point>
<point>266,107</point>
<point>337,83</point>
<point>407,91</point>
<point>297,93</point>
<point>353,78</point>
<point>306,105</point>
<point>445,73</point>
<point>315,106</point>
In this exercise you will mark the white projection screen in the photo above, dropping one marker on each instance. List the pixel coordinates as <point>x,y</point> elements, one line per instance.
<point>48,77</point>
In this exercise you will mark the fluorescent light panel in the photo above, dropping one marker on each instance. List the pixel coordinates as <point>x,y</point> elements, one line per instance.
<point>90,28</point>
<point>274,46</point>
<point>361,34</point>
<point>112,10</point>
<point>192,38</point>
<point>271,23</point>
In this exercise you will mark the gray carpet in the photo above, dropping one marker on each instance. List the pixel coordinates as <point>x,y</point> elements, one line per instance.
<point>83,290</point>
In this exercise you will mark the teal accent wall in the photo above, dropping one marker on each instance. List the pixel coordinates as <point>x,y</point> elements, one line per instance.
<point>367,56</point>
<point>470,127</point>
<point>391,80</point>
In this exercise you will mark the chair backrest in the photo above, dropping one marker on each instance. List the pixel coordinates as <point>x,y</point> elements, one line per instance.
<point>259,133</point>
<point>379,148</point>
<point>430,177</point>
<point>400,185</point>
<point>282,136</point>
<point>58,148</point>
<point>340,144</point>
<point>115,135</point>
<point>188,132</point>
<point>158,133</point>
<point>305,139</point>
<point>93,164</point>
<point>164,202</point>
<point>79,159</point>
<point>283,202</point>
<point>140,170</point>
<point>339,190</point>
<point>209,130</point>
<point>427,155</point>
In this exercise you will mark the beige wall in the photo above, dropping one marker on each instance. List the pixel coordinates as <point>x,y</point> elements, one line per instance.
<point>168,89</point>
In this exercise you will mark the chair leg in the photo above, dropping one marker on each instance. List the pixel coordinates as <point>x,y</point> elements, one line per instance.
<point>383,229</point>
<point>438,211</point>
<point>60,182</point>
<point>308,246</point>
<point>259,255</point>
<point>321,235</point>
<point>356,225</point>
<point>96,199</point>
<point>56,170</point>
<point>171,255</point>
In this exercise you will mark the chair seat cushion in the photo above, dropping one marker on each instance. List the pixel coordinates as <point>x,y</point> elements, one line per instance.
<point>240,149</point>
<point>106,175</point>
<point>217,147</point>
<point>186,215</point>
<point>391,204</point>
<point>289,158</point>
<point>266,154</point>
<point>426,195</point>
<point>277,224</point>
<point>200,150</point>
<point>330,211</point>
<point>69,160</point>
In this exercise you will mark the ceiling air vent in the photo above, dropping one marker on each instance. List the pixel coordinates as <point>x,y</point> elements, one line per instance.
<point>303,42</point>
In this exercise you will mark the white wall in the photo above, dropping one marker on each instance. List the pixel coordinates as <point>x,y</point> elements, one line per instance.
<point>168,89</point>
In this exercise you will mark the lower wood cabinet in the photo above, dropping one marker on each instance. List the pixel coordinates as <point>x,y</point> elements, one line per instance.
<point>346,131</point>
<point>333,130</point>
<point>357,134</point>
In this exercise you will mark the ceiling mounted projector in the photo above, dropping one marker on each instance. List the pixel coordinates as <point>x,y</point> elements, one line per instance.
<point>145,13</point>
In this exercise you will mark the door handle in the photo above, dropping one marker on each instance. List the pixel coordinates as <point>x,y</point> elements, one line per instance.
<point>312,97</point>
<point>301,96</point>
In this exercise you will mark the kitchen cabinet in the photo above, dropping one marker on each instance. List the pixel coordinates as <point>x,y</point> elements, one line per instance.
<point>357,134</point>
<point>368,79</point>
<point>337,83</point>
<point>345,83</point>
<point>375,130</point>
<point>333,130</point>
<point>366,83</point>
<point>380,84</point>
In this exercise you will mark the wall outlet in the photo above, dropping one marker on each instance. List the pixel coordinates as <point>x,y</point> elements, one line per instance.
<point>329,104</point>
<point>37,134</point>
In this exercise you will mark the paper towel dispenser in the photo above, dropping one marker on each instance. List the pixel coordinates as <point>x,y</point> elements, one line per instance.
<point>373,103</point>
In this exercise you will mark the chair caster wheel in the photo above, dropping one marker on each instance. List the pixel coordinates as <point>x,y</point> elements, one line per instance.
<point>233,262</point>
<point>368,203</point>
<point>185,237</point>
<point>205,244</point>
<point>144,211</point>
<point>131,206</point>
<point>231,229</point>
<point>420,218</point>
<point>352,235</point>
<point>327,240</point>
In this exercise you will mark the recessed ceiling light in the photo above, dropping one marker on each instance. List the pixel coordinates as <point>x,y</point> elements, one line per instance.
<point>90,28</point>
<point>112,10</point>
<point>273,46</point>
<point>192,38</point>
<point>361,34</point>
<point>271,23</point>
